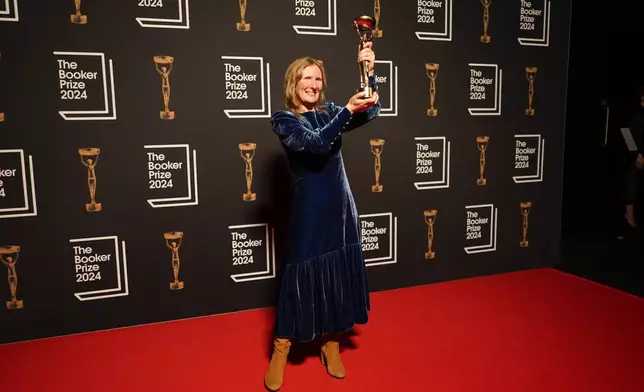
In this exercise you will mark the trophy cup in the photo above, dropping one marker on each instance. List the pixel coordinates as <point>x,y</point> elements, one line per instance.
<point>164,67</point>
<point>9,257</point>
<point>173,241</point>
<point>242,25</point>
<point>430,218</point>
<point>364,27</point>
<point>486,21</point>
<point>376,150</point>
<point>531,73</point>
<point>525,211</point>
<point>78,18</point>
<point>247,151</point>
<point>376,11</point>
<point>432,71</point>
<point>89,158</point>
<point>481,143</point>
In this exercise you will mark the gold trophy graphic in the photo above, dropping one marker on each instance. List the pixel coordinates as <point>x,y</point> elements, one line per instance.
<point>9,257</point>
<point>376,150</point>
<point>1,117</point>
<point>432,71</point>
<point>247,151</point>
<point>242,25</point>
<point>364,28</point>
<point>376,10</point>
<point>173,241</point>
<point>525,211</point>
<point>78,18</point>
<point>486,21</point>
<point>531,73</point>
<point>164,67</point>
<point>430,219</point>
<point>89,158</point>
<point>481,143</point>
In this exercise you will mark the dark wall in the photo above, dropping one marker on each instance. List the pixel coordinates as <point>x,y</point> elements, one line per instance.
<point>430,161</point>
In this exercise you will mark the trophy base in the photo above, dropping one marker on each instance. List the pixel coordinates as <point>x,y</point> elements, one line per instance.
<point>486,39</point>
<point>376,188</point>
<point>524,244</point>
<point>481,181</point>
<point>249,196</point>
<point>78,19</point>
<point>529,112</point>
<point>15,304</point>
<point>243,26</point>
<point>1,117</point>
<point>176,286</point>
<point>432,112</point>
<point>169,115</point>
<point>430,255</point>
<point>93,207</point>
<point>368,91</point>
<point>377,33</point>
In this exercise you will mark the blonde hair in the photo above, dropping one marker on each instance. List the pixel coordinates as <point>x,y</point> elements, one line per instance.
<point>293,76</point>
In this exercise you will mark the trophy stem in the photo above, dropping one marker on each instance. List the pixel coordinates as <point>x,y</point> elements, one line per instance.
<point>530,111</point>
<point>485,38</point>
<point>430,241</point>
<point>176,262</point>
<point>377,166</point>
<point>93,206</point>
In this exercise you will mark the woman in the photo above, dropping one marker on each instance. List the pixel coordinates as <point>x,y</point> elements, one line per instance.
<point>324,289</point>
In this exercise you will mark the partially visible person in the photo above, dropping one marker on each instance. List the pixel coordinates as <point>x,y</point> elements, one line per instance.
<point>635,164</point>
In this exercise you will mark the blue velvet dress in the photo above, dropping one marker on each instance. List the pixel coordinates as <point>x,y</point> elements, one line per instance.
<point>324,288</point>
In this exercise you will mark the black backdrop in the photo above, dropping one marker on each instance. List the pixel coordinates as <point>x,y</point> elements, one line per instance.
<point>67,86</point>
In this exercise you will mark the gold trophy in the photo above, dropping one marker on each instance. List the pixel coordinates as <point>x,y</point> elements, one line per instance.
<point>78,18</point>
<point>376,150</point>
<point>9,257</point>
<point>481,143</point>
<point>432,71</point>
<point>173,241</point>
<point>430,218</point>
<point>525,211</point>
<point>364,27</point>
<point>242,25</point>
<point>486,21</point>
<point>531,73</point>
<point>89,158</point>
<point>376,10</point>
<point>1,117</point>
<point>164,67</point>
<point>247,151</point>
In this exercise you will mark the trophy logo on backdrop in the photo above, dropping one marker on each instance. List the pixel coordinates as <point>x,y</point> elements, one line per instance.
<point>172,176</point>
<point>485,38</point>
<point>316,20</point>
<point>247,151</point>
<point>377,32</point>
<point>376,149</point>
<point>433,162</point>
<point>9,257</point>
<point>247,87</point>
<point>481,145</point>
<point>164,14</point>
<point>173,241</point>
<point>534,23</point>
<point>78,17</point>
<point>525,211</point>
<point>242,25</point>
<point>253,252</point>
<point>430,220</point>
<point>364,29</point>
<point>379,237</point>
<point>387,87</point>
<point>528,158</point>
<point>9,11</point>
<point>486,82</point>
<point>86,87</point>
<point>434,18</point>
<point>17,185</point>
<point>164,67</point>
<point>432,72</point>
<point>100,268</point>
<point>89,159</point>
<point>531,74</point>
<point>480,228</point>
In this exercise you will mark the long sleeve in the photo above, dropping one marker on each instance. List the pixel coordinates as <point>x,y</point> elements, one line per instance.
<point>359,119</point>
<point>299,135</point>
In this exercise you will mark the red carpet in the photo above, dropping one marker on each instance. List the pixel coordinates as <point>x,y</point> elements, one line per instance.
<point>537,330</point>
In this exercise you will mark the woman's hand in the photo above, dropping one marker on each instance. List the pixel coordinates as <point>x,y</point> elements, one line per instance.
<point>358,103</point>
<point>366,54</point>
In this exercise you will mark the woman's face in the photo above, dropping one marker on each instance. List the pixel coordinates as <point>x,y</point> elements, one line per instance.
<point>308,88</point>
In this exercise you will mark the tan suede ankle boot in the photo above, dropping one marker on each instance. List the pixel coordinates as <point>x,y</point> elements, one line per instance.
<point>330,357</point>
<point>275,373</point>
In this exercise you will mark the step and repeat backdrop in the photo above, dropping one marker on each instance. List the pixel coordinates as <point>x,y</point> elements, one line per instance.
<point>140,180</point>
